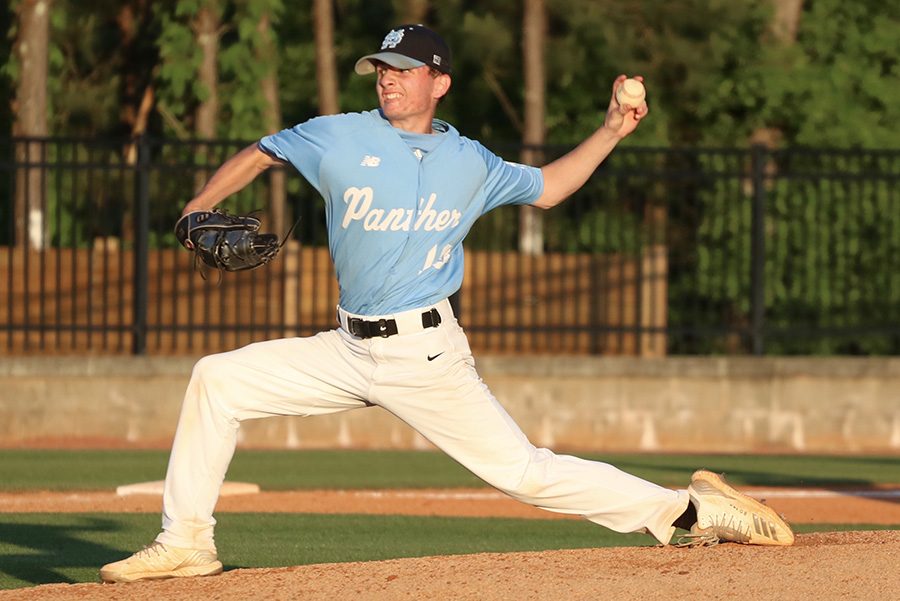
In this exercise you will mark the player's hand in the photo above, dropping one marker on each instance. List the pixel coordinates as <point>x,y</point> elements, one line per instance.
<point>623,120</point>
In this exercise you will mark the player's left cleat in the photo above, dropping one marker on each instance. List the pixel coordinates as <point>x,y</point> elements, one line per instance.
<point>724,514</point>
<point>159,561</point>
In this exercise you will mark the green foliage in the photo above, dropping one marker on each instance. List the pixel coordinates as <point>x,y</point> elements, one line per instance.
<point>487,70</point>
<point>297,69</point>
<point>828,251</point>
<point>179,88</point>
<point>683,49</point>
<point>9,68</point>
<point>88,66</point>
<point>244,65</point>
<point>826,268</point>
<point>715,74</point>
<point>846,75</point>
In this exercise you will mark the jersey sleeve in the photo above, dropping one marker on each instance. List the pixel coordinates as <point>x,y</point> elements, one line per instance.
<point>303,145</point>
<point>509,183</point>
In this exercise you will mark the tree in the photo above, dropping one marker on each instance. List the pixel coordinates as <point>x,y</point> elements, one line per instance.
<point>267,54</point>
<point>137,92</point>
<point>249,63</point>
<point>411,11</point>
<point>783,32</point>
<point>179,60</point>
<point>786,20</point>
<point>206,25</point>
<point>717,71</point>
<point>326,69</point>
<point>30,111</point>
<point>534,32</point>
<point>132,20</point>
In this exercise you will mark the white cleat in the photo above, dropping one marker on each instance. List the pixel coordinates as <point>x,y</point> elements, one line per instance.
<point>159,561</point>
<point>724,514</point>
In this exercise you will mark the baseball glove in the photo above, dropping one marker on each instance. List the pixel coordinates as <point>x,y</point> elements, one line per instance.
<point>226,242</point>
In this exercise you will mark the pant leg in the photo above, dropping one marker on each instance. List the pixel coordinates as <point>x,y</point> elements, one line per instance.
<point>448,403</point>
<point>294,376</point>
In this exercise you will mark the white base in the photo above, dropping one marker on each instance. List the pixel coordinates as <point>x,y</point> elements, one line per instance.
<point>156,488</point>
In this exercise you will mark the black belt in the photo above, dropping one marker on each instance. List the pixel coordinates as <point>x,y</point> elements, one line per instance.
<point>362,328</point>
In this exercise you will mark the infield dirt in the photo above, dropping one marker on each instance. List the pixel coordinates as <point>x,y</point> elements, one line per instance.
<point>819,567</point>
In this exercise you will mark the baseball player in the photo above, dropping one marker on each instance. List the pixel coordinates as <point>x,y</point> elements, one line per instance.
<point>401,191</point>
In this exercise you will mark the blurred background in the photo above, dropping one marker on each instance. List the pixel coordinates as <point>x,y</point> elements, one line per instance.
<point>756,212</point>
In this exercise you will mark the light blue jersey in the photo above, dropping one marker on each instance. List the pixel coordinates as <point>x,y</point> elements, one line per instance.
<point>398,205</point>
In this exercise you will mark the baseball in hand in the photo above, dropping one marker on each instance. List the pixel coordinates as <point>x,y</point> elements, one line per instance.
<point>631,92</point>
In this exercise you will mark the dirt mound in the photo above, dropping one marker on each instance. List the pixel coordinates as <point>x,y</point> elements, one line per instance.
<point>819,567</point>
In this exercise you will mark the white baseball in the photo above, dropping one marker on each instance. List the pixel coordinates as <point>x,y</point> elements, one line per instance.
<point>631,92</point>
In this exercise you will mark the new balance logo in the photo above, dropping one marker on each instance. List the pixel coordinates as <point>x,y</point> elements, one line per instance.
<point>370,161</point>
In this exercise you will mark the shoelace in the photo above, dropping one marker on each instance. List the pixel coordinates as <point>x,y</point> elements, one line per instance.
<point>152,547</point>
<point>722,528</point>
<point>697,539</point>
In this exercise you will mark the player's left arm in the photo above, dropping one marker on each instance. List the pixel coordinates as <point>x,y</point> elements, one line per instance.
<point>568,173</point>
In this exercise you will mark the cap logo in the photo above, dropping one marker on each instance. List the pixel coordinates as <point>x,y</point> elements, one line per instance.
<point>394,37</point>
<point>436,59</point>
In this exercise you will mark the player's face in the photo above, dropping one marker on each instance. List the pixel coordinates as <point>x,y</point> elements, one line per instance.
<point>409,97</point>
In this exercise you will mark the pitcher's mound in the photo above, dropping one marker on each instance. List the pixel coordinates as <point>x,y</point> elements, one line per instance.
<point>819,567</point>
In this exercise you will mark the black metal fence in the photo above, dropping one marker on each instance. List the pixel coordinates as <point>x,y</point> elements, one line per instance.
<point>664,251</point>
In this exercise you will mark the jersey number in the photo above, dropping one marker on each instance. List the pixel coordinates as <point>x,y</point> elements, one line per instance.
<point>432,260</point>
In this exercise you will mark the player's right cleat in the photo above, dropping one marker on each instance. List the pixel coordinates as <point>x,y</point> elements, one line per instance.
<point>159,561</point>
<point>724,514</point>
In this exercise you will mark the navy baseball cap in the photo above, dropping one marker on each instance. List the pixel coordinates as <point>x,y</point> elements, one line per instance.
<point>408,47</point>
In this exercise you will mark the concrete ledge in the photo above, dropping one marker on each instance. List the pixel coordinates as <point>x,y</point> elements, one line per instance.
<point>94,366</point>
<point>685,404</point>
<point>692,366</point>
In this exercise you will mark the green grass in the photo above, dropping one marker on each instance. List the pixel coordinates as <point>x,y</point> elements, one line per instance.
<point>282,470</point>
<point>40,548</point>
<point>70,548</point>
<point>44,548</point>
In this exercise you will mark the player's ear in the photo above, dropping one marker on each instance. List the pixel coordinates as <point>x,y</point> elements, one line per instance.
<point>441,85</point>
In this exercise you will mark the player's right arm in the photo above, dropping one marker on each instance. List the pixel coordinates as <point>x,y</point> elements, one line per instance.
<point>234,174</point>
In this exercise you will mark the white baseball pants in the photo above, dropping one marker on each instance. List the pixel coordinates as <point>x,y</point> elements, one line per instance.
<point>443,399</point>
